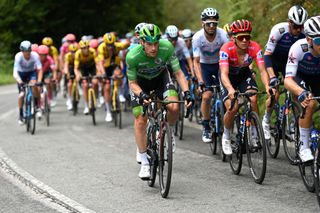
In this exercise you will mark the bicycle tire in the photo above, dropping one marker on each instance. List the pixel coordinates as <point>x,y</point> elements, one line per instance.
<point>152,154</point>
<point>26,113</point>
<point>75,99</point>
<point>289,135</point>
<point>47,109</point>
<point>181,121</point>
<point>235,159</point>
<point>273,145</point>
<point>220,124</point>
<point>165,160</point>
<point>317,173</point>
<point>256,153</point>
<point>213,143</point>
<point>33,119</point>
<point>119,112</point>
<point>92,108</point>
<point>197,110</point>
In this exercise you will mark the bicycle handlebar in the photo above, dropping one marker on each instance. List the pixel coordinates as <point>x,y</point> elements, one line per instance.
<point>245,94</point>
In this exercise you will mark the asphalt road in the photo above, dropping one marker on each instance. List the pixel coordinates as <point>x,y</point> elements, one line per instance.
<point>95,166</point>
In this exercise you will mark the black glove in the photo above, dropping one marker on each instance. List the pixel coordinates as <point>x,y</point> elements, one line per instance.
<point>39,84</point>
<point>143,96</point>
<point>303,96</point>
<point>202,86</point>
<point>187,97</point>
<point>274,82</point>
<point>21,86</point>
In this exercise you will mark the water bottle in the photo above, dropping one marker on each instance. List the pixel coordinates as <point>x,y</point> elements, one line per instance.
<point>212,115</point>
<point>281,112</point>
<point>314,139</point>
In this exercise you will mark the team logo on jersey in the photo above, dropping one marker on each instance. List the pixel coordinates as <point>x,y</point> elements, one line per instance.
<point>304,47</point>
<point>158,61</point>
<point>291,59</point>
<point>223,55</point>
<point>282,30</point>
<point>259,54</point>
<point>272,40</point>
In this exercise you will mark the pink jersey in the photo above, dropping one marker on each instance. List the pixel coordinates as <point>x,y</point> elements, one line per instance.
<point>229,57</point>
<point>48,64</point>
<point>64,48</point>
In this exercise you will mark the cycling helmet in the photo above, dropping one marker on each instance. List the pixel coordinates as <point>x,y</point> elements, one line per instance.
<point>150,33</point>
<point>129,35</point>
<point>209,13</point>
<point>47,41</point>
<point>94,43</point>
<point>138,27</point>
<point>73,47</point>
<point>25,46</point>
<point>70,37</point>
<point>312,26</point>
<point>34,47</point>
<point>43,50</point>
<point>186,33</point>
<point>172,31</point>
<point>83,44</point>
<point>109,38</point>
<point>241,26</point>
<point>226,28</point>
<point>297,15</point>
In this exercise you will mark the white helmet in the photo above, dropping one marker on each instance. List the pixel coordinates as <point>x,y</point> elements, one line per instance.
<point>209,13</point>
<point>186,33</point>
<point>297,14</point>
<point>25,46</point>
<point>312,26</point>
<point>172,31</point>
<point>139,27</point>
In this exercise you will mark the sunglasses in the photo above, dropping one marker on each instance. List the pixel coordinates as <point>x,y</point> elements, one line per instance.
<point>151,39</point>
<point>241,37</point>
<point>173,39</point>
<point>295,26</point>
<point>316,40</point>
<point>211,23</point>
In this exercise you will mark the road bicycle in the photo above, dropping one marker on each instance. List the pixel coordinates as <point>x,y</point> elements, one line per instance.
<point>30,108</point>
<point>74,95</point>
<point>45,102</point>
<point>247,138</point>
<point>116,105</point>
<point>92,100</point>
<point>159,149</point>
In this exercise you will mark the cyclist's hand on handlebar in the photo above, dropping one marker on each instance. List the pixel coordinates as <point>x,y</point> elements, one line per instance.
<point>39,84</point>
<point>202,86</point>
<point>231,94</point>
<point>304,98</point>
<point>188,98</point>
<point>144,98</point>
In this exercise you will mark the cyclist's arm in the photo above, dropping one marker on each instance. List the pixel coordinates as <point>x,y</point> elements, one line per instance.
<point>269,68</point>
<point>181,80</point>
<point>197,68</point>
<point>189,60</point>
<point>134,87</point>
<point>15,69</point>
<point>224,72</point>
<point>77,64</point>
<point>38,66</point>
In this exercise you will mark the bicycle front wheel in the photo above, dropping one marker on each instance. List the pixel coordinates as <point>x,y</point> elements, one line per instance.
<point>165,160</point>
<point>290,132</point>
<point>47,109</point>
<point>273,144</point>
<point>317,172</point>
<point>92,107</point>
<point>256,148</point>
<point>236,145</point>
<point>32,118</point>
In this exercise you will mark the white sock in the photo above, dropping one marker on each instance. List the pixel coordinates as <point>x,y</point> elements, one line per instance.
<point>266,117</point>
<point>144,158</point>
<point>85,104</point>
<point>226,133</point>
<point>172,128</point>
<point>304,136</point>
<point>253,131</point>
<point>107,107</point>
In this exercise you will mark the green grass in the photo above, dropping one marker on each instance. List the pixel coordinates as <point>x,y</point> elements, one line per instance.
<point>6,79</point>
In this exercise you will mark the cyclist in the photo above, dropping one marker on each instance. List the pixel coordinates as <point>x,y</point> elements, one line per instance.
<point>187,37</point>
<point>26,65</point>
<point>281,38</point>
<point>136,39</point>
<point>302,79</point>
<point>110,65</point>
<point>64,49</point>
<point>226,28</point>
<point>69,71</point>
<point>49,69</point>
<point>94,44</point>
<point>206,44</point>
<point>235,74</point>
<point>181,50</point>
<point>85,63</point>
<point>34,48</point>
<point>146,72</point>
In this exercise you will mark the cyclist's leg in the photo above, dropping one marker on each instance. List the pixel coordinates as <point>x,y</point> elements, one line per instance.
<point>25,79</point>
<point>85,73</point>
<point>107,94</point>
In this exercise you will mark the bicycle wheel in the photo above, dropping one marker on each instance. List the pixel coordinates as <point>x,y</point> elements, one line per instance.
<point>165,160</point>
<point>92,108</point>
<point>256,148</point>
<point>119,112</point>
<point>47,108</point>
<point>236,145</point>
<point>26,113</point>
<point>181,121</point>
<point>289,131</point>
<point>32,118</point>
<point>75,99</point>
<point>317,172</point>
<point>152,155</point>
<point>197,110</point>
<point>273,144</point>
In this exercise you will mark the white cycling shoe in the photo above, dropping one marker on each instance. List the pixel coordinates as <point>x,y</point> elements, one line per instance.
<point>144,173</point>
<point>305,154</point>
<point>226,146</point>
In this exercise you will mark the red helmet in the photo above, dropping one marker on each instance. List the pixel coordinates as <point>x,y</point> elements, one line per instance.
<point>70,37</point>
<point>43,50</point>
<point>94,43</point>
<point>34,47</point>
<point>241,26</point>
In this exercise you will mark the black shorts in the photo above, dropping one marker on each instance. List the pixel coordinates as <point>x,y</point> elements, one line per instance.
<point>309,83</point>
<point>241,82</point>
<point>162,85</point>
<point>109,70</point>
<point>88,70</point>
<point>279,65</point>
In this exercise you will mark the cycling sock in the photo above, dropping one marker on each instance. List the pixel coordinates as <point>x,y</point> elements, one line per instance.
<point>21,112</point>
<point>85,104</point>
<point>266,117</point>
<point>107,105</point>
<point>253,130</point>
<point>144,158</point>
<point>226,133</point>
<point>172,128</point>
<point>304,136</point>
<point>206,125</point>
<point>36,102</point>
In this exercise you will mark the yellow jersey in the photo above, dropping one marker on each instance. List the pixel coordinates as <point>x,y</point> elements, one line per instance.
<point>69,59</point>
<point>87,61</point>
<point>53,52</point>
<point>108,59</point>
